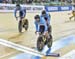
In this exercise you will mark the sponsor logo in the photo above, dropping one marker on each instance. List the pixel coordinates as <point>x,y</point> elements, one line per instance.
<point>52,8</point>
<point>64,8</point>
<point>58,8</point>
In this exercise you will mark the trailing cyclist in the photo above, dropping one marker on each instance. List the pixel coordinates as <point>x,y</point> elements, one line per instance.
<point>23,23</point>
<point>47,18</point>
<point>22,11</point>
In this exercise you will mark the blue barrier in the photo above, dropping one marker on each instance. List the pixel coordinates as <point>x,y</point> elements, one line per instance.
<point>57,8</point>
<point>51,8</point>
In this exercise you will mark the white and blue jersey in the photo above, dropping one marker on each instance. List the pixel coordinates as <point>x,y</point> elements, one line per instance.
<point>22,12</point>
<point>41,22</point>
<point>47,16</point>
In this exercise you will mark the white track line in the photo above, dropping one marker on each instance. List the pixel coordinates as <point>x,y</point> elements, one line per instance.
<point>20,48</point>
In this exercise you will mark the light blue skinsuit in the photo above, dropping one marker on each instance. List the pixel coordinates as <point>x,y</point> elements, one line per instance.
<point>22,12</point>
<point>41,22</point>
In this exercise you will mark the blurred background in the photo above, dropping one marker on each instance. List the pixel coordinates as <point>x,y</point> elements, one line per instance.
<point>40,2</point>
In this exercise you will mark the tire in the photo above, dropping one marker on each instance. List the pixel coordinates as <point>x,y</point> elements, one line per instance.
<point>40,44</point>
<point>49,29</point>
<point>49,42</point>
<point>26,24</point>
<point>20,26</point>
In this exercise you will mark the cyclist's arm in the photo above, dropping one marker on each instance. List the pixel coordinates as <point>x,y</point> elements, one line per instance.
<point>36,25</point>
<point>15,11</point>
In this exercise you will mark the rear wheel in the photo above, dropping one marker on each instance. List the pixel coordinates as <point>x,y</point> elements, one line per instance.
<point>20,26</point>
<point>49,29</point>
<point>40,44</point>
<point>26,23</point>
<point>49,42</point>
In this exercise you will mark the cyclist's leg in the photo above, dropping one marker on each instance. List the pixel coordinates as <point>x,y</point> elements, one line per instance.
<point>21,19</point>
<point>49,29</point>
<point>24,20</point>
<point>41,28</point>
<point>49,26</point>
<point>21,15</point>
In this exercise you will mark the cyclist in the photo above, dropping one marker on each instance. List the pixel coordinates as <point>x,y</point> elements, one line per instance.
<point>40,25</point>
<point>47,17</point>
<point>22,12</point>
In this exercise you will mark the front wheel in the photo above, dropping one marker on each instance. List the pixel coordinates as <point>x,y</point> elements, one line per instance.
<point>20,26</point>
<point>40,44</point>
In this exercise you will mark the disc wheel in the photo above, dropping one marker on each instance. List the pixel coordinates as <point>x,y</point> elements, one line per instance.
<point>26,24</point>
<point>20,26</point>
<point>40,44</point>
